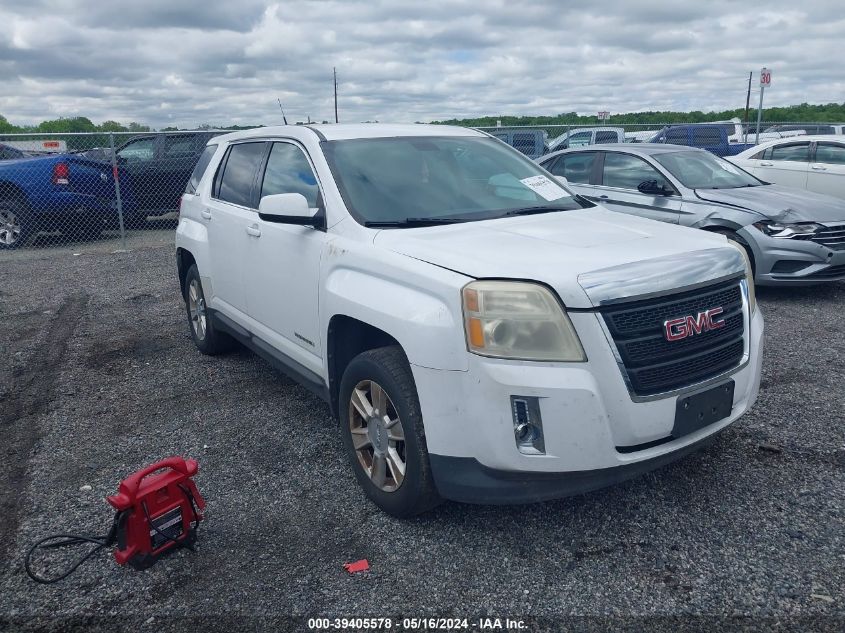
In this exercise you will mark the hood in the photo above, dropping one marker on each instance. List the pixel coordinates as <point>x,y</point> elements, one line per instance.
<point>782,204</point>
<point>558,248</point>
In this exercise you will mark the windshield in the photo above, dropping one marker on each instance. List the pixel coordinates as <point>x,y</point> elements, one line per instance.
<point>703,170</point>
<point>407,180</point>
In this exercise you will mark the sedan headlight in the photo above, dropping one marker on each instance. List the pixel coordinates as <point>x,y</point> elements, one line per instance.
<point>518,320</point>
<point>749,276</point>
<point>786,231</point>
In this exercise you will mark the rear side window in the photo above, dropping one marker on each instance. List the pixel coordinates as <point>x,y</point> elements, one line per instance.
<point>239,173</point>
<point>606,137</point>
<point>575,168</point>
<point>179,146</point>
<point>830,153</point>
<point>199,168</point>
<point>798,152</point>
<point>288,171</point>
<point>706,136</point>
<point>677,137</point>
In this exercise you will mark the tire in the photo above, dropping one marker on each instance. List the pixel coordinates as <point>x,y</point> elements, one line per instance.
<point>208,340</point>
<point>377,460</point>
<point>733,237</point>
<point>15,227</point>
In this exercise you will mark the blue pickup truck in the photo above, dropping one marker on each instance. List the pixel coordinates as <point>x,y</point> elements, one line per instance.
<point>713,138</point>
<point>61,192</point>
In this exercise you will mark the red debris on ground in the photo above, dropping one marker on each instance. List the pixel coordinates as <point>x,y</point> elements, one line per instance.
<point>359,565</point>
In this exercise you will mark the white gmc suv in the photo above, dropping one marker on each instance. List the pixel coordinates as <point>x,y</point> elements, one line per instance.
<point>481,333</point>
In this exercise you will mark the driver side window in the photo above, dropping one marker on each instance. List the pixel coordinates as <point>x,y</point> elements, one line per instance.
<point>288,171</point>
<point>141,149</point>
<point>628,172</point>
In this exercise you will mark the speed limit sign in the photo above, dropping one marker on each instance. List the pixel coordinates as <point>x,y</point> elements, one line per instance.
<point>765,77</point>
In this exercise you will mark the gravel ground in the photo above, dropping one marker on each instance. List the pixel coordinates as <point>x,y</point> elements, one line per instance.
<point>100,378</point>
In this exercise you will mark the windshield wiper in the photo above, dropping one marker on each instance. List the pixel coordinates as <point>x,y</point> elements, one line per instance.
<point>532,211</point>
<point>411,222</point>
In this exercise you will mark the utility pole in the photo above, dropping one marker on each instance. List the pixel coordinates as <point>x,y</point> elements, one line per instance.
<point>747,103</point>
<point>334,70</point>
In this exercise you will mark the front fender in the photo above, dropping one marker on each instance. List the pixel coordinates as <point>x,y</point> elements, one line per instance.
<point>414,309</point>
<point>717,216</point>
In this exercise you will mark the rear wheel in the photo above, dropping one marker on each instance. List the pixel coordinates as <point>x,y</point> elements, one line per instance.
<point>14,226</point>
<point>207,339</point>
<point>382,429</point>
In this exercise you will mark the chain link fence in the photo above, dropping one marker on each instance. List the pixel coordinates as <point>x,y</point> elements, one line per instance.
<point>724,138</point>
<point>68,188</point>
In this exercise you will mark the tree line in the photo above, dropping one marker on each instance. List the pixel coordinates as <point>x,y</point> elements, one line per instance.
<point>803,113</point>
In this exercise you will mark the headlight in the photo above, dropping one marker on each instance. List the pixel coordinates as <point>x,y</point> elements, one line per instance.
<point>749,276</point>
<point>519,320</point>
<point>786,231</point>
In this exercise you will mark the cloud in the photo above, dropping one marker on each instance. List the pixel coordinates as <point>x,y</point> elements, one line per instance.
<point>163,62</point>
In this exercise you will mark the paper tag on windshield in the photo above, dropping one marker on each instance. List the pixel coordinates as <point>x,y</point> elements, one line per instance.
<point>544,187</point>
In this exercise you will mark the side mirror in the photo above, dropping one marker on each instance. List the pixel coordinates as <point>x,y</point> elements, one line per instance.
<point>287,208</point>
<point>651,188</point>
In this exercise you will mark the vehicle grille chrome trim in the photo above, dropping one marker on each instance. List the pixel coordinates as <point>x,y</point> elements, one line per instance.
<point>695,384</point>
<point>831,236</point>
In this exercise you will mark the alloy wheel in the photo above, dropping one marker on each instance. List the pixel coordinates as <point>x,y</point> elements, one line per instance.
<point>196,308</point>
<point>377,435</point>
<point>10,227</point>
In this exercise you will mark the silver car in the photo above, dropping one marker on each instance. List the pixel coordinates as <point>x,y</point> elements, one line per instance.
<point>792,236</point>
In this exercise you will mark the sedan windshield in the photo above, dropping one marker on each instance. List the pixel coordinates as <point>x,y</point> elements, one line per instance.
<point>415,181</point>
<point>702,170</point>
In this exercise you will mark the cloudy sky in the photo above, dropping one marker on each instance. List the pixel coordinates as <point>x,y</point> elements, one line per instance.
<point>188,62</point>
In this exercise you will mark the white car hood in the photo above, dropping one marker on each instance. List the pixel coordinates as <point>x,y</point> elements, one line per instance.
<point>588,256</point>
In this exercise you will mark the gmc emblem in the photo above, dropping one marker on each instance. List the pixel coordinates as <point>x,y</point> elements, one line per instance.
<point>676,329</point>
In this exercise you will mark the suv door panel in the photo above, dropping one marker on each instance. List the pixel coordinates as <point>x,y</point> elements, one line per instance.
<point>227,215</point>
<point>284,263</point>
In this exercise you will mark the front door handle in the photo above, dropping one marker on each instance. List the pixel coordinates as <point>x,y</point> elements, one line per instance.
<point>603,197</point>
<point>253,230</point>
<point>766,164</point>
<point>818,168</point>
<point>206,214</point>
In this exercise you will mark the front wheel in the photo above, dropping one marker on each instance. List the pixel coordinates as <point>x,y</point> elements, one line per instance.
<point>382,429</point>
<point>736,239</point>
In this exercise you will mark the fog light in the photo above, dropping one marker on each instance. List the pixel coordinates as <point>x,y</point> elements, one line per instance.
<point>527,425</point>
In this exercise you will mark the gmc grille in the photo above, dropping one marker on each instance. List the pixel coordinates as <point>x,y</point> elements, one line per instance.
<point>655,365</point>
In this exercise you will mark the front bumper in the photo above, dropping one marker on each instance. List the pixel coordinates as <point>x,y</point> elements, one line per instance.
<point>588,416</point>
<point>773,259</point>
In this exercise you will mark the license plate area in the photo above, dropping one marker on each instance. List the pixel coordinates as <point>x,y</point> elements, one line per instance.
<point>702,409</point>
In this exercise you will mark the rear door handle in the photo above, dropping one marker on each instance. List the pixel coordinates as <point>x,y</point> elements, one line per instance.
<point>766,164</point>
<point>206,214</point>
<point>818,168</point>
<point>254,230</point>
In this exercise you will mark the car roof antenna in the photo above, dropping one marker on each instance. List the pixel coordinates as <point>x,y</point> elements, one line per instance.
<point>284,118</point>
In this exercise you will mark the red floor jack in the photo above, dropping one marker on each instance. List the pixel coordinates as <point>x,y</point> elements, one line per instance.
<point>156,512</point>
